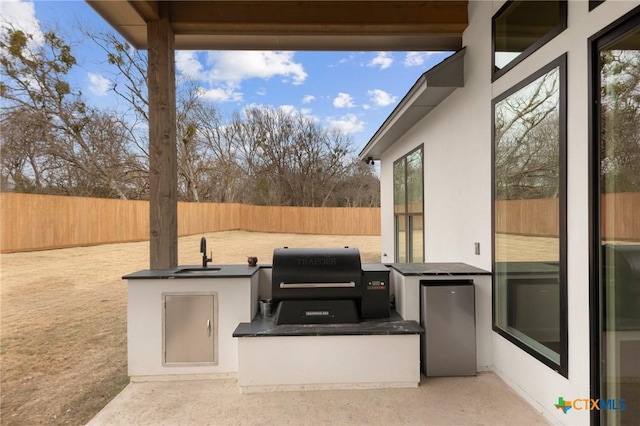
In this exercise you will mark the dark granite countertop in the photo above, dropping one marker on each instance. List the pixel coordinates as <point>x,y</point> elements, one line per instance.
<point>265,327</point>
<point>374,267</point>
<point>195,271</point>
<point>216,271</point>
<point>437,269</point>
<point>239,271</point>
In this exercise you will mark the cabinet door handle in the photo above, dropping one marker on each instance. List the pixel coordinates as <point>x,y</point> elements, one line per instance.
<point>209,328</point>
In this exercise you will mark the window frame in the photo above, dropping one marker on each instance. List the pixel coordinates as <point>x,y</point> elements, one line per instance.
<point>562,367</point>
<point>408,241</point>
<point>602,38</point>
<point>562,25</point>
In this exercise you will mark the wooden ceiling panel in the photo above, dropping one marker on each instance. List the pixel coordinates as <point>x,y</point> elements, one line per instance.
<point>297,25</point>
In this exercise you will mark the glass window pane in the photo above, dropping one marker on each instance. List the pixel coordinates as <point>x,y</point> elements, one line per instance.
<point>619,66</point>
<point>408,194</point>
<point>521,24</point>
<point>417,239</point>
<point>401,238</point>
<point>527,215</point>
<point>399,187</point>
<point>414,182</point>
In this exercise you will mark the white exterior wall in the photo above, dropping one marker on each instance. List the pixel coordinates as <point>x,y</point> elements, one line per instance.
<point>237,302</point>
<point>457,153</point>
<point>328,362</point>
<point>457,168</point>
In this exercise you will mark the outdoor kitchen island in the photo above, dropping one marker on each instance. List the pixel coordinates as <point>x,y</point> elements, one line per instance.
<point>370,354</point>
<point>193,322</point>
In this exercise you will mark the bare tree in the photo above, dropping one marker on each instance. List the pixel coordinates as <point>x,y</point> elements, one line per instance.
<point>83,151</point>
<point>24,151</point>
<point>292,160</point>
<point>620,116</point>
<point>360,188</point>
<point>126,69</point>
<point>53,142</point>
<point>527,141</point>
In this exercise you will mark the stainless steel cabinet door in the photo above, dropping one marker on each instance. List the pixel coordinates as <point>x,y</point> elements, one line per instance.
<point>189,328</point>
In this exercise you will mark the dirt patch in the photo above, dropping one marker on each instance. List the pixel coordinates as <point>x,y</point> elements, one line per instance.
<point>63,318</point>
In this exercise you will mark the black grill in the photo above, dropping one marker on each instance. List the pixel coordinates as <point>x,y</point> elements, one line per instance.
<point>325,286</point>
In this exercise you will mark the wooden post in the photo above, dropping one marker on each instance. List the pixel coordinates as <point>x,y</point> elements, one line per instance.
<point>163,201</point>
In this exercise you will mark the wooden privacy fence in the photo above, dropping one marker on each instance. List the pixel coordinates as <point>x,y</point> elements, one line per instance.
<point>36,222</point>
<point>540,217</point>
<point>528,217</point>
<point>311,220</point>
<point>622,212</point>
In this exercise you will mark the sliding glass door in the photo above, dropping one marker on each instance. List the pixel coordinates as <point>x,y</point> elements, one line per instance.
<point>616,203</point>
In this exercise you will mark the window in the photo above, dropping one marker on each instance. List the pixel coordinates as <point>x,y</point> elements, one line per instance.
<point>615,200</point>
<point>522,27</point>
<point>408,208</point>
<point>529,215</point>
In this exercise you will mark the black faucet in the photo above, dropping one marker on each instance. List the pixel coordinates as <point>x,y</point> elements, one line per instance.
<point>203,250</point>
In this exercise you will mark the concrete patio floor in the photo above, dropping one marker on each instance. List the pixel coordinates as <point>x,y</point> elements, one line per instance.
<point>481,400</point>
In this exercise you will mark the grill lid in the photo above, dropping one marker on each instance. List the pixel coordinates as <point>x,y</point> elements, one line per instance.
<point>312,273</point>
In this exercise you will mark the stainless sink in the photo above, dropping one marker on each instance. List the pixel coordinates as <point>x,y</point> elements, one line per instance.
<point>197,271</point>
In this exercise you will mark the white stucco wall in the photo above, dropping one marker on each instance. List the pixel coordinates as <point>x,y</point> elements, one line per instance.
<point>457,167</point>
<point>237,302</point>
<point>457,154</point>
<point>328,362</point>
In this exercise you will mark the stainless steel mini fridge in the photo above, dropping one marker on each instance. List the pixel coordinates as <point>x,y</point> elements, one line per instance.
<point>447,313</point>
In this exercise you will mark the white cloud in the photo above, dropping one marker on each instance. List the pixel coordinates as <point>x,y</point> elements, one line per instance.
<point>346,124</point>
<point>20,15</point>
<point>288,109</point>
<point>98,84</point>
<point>308,99</point>
<point>415,59</point>
<point>228,94</point>
<point>188,65</point>
<point>234,67</point>
<point>345,60</point>
<point>382,60</point>
<point>224,71</point>
<point>380,97</point>
<point>343,100</point>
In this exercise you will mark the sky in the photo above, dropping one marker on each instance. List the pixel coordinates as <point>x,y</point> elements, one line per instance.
<point>351,91</point>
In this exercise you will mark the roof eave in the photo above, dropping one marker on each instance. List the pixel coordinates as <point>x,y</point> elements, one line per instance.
<point>426,94</point>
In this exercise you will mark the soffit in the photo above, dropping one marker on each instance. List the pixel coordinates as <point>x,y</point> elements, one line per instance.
<point>294,25</point>
<point>427,93</point>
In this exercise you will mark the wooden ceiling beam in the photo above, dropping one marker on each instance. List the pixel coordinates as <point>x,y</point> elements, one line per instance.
<point>294,24</point>
<point>319,17</point>
<point>148,10</point>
